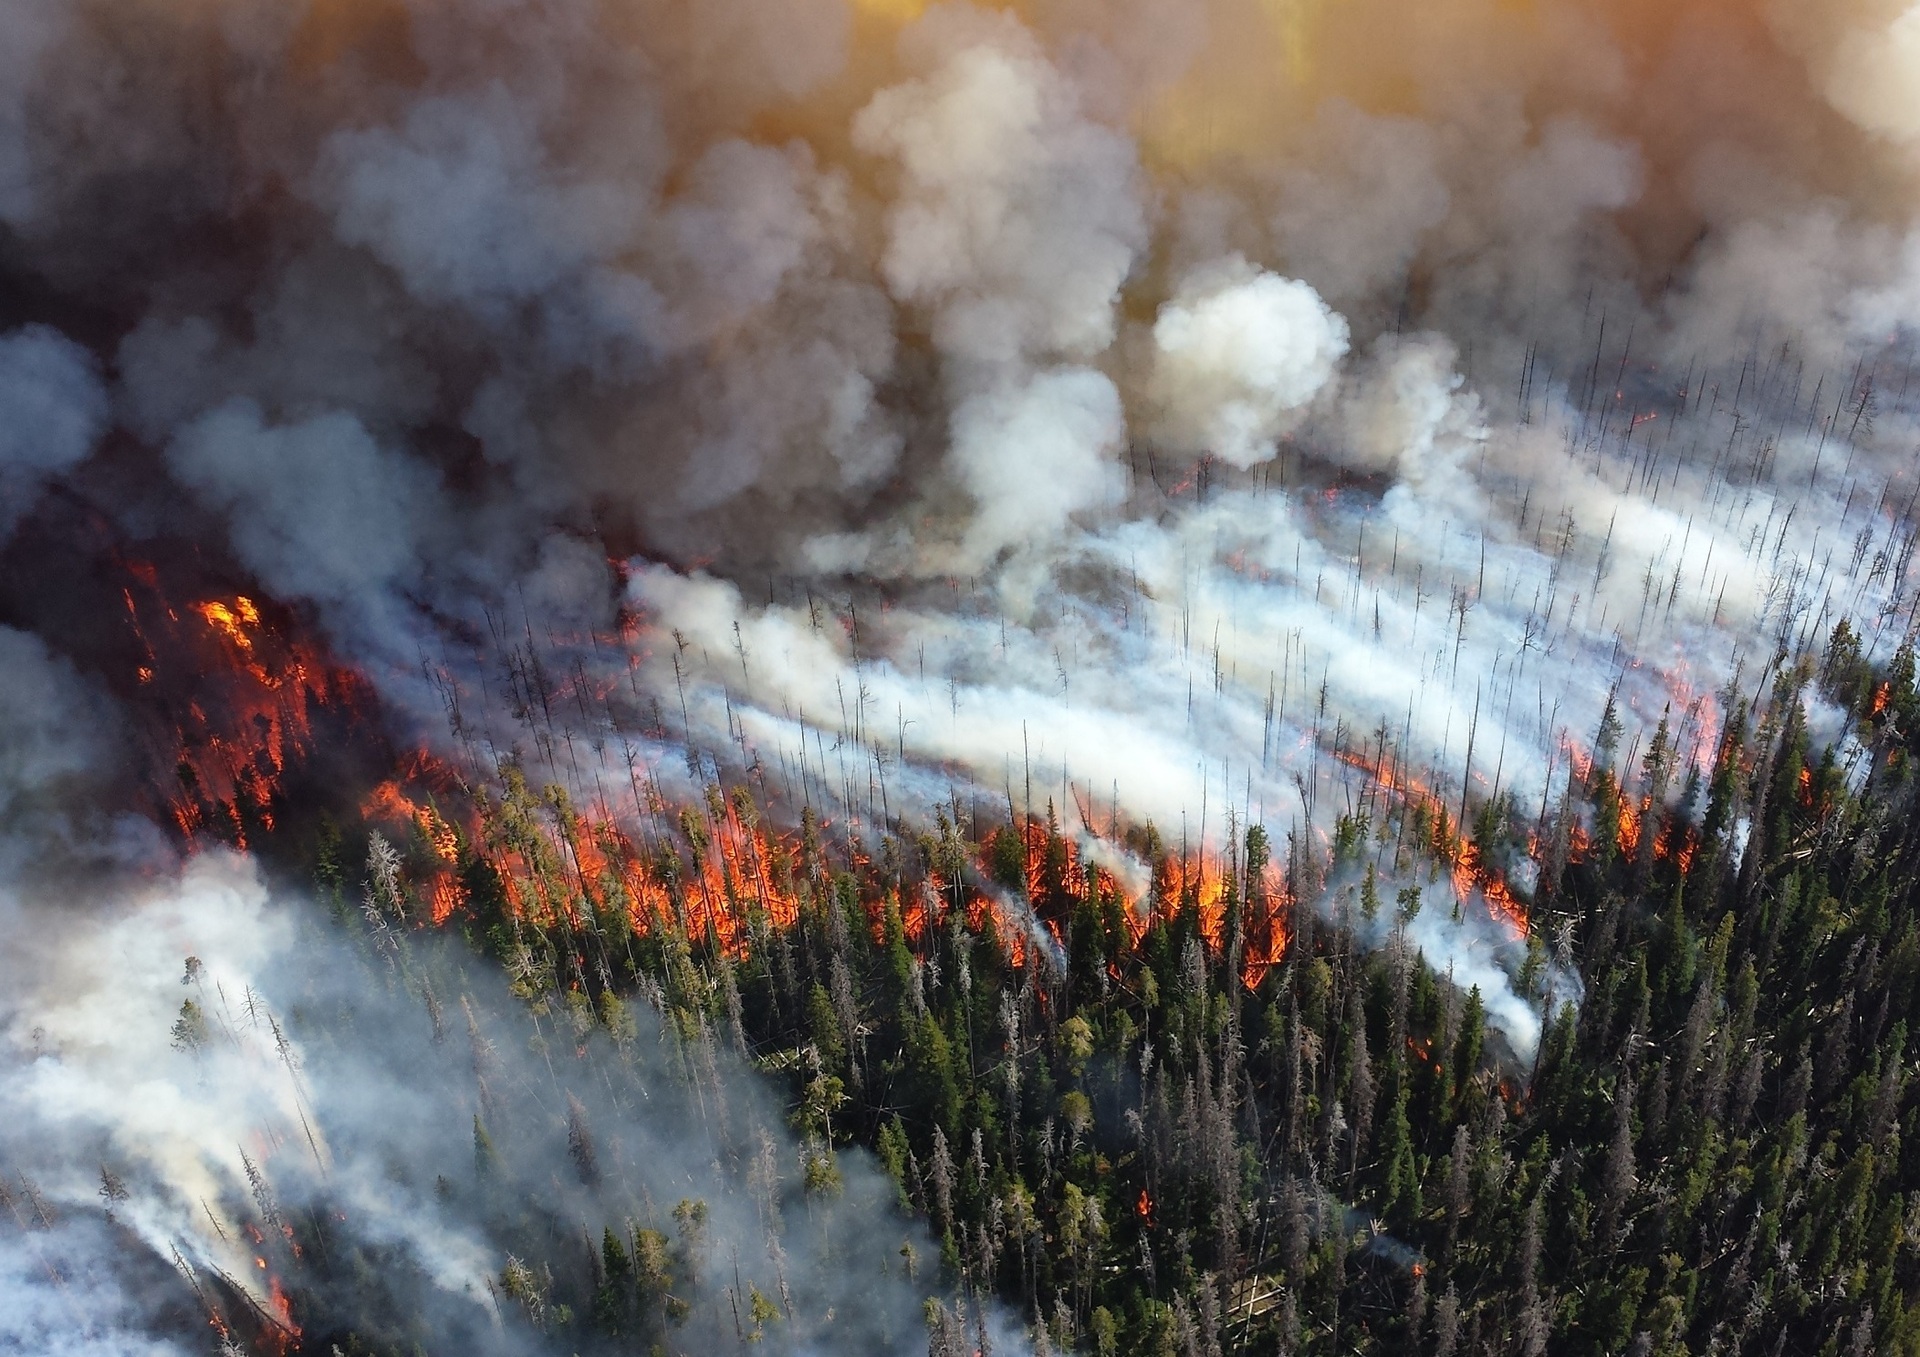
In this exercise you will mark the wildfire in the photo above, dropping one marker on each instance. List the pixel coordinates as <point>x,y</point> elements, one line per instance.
<point>735,892</point>
<point>1263,954</point>
<point>1469,875</point>
<point>1628,837</point>
<point>285,1335</point>
<point>1197,884</point>
<point>1580,759</point>
<point>239,691</point>
<point>555,863</point>
<point>920,908</point>
<point>282,1310</point>
<point>1194,884</point>
<point>392,805</point>
<point>234,697</point>
<point>232,621</point>
<point>1504,907</point>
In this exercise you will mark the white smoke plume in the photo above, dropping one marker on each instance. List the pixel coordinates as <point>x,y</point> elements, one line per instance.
<point>355,1104</point>
<point>1238,354</point>
<point>192,1061</point>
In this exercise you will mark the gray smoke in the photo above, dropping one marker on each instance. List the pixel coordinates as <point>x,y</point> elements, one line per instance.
<point>1181,413</point>
<point>210,1090</point>
<point>53,409</point>
<point>1424,397</point>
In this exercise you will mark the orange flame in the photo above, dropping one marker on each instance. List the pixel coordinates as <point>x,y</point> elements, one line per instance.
<point>235,703</point>
<point>232,622</point>
<point>280,1310</point>
<point>1465,870</point>
<point>1628,837</point>
<point>1195,883</point>
<point>388,803</point>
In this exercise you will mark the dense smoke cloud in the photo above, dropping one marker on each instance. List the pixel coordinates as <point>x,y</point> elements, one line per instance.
<point>315,510</point>
<point>1236,354</point>
<point>58,747</point>
<point>53,410</point>
<point>1196,414</point>
<point>62,1299</point>
<point>869,300</point>
<point>194,1062</point>
<point>356,1101</point>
